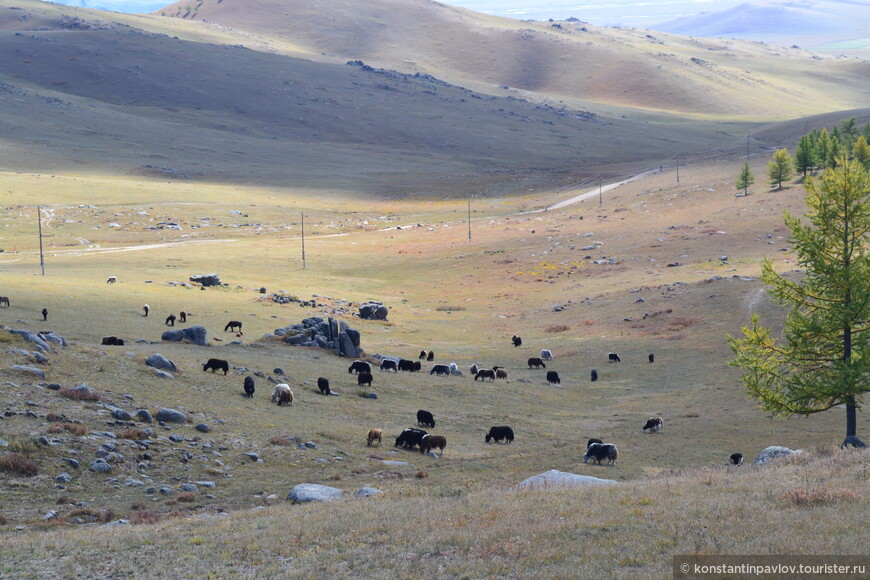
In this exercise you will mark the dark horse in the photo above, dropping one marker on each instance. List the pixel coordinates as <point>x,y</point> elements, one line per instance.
<point>232,325</point>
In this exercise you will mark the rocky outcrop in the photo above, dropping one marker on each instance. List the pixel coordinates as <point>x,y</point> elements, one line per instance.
<point>194,334</point>
<point>307,492</point>
<point>774,452</point>
<point>158,361</point>
<point>329,334</point>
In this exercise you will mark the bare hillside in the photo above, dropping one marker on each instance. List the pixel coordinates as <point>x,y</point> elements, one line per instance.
<point>570,61</point>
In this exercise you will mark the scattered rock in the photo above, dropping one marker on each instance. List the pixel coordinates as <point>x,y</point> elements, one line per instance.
<point>188,487</point>
<point>100,465</point>
<point>144,416</point>
<point>555,478</point>
<point>30,370</point>
<point>158,361</point>
<point>307,492</point>
<point>367,492</point>
<point>195,334</point>
<point>774,452</point>
<point>203,428</point>
<point>63,478</point>
<point>373,310</point>
<point>162,374</point>
<point>206,279</point>
<point>171,416</point>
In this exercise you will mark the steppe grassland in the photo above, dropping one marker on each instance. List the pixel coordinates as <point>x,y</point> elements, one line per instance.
<point>505,280</point>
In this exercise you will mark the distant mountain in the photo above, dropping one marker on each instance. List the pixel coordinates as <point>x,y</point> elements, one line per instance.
<point>808,23</point>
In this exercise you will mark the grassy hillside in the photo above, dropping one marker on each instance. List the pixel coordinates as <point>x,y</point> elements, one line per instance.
<point>659,242</point>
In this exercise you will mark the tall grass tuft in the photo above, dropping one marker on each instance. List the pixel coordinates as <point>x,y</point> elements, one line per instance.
<point>19,463</point>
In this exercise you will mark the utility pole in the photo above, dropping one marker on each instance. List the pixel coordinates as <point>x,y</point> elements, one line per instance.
<point>678,171</point>
<point>600,199</point>
<point>41,255</point>
<point>469,219</point>
<point>303,239</point>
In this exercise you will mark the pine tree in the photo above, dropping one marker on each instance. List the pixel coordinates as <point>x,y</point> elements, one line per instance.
<point>823,359</point>
<point>779,169</point>
<point>745,179</point>
<point>804,155</point>
<point>861,152</point>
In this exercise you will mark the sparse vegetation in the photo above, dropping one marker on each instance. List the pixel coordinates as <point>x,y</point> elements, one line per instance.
<point>19,463</point>
<point>74,428</point>
<point>77,394</point>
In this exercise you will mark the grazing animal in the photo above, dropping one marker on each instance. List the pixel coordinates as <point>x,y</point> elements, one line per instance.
<point>389,365</point>
<point>112,341</point>
<point>594,375</point>
<point>282,395</point>
<point>431,356</point>
<point>146,308</point>
<point>182,316</point>
<point>249,386</point>
<point>425,419</point>
<point>4,301</point>
<point>45,314</point>
<point>613,357</point>
<point>599,452</point>
<point>170,320</point>
<point>500,373</point>
<point>472,370</point>
<point>423,354</point>
<point>418,366</point>
<point>517,340</point>
<point>546,354</point>
<point>232,325</point>
<point>359,366</point>
<point>374,435</point>
<point>323,385</point>
<point>535,363</point>
<point>591,441</point>
<point>216,364</point>
<point>652,358</point>
<point>483,374</point>
<point>454,369</point>
<point>111,279</point>
<point>553,377</point>
<point>736,459</point>
<point>409,438</point>
<point>430,442</point>
<point>499,433</point>
<point>364,379</point>
<point>440,370</point>
<point>653,425</point>
<point>406,365</point>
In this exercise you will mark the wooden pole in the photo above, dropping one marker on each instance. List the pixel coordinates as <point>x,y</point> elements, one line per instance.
<point>41,255</point>
<point>469,219</point>
<point>303,240</point>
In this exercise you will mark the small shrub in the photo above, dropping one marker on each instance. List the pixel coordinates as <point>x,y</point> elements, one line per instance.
<point>145,517</point>
<point>3,520</point>
<point>91,514</point>
<point>421,474</point>
<point>557,328</point>
<point>19,463</point>
<point>186,496</point>
<point>281,440</point>
<point>138,506</point>
<point>803,497</point>
<point>74,428</point>
<point>79,394</point>
<point>133,433</point>
<point>587,322</point>
<point>450,308</point>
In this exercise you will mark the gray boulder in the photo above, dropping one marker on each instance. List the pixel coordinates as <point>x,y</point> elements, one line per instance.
<point>63,478</point>
<point>171,416</point>
<point>30,370</point>
<point>52,337</point>
<point>555,478</point>
<point>100,466</point>
<point>306,492</point>
<point>774,452</point>
<point>144,416</point>
<point>206,279</point>
<point>158,361</point>
<point>162,374</point>
<point>367,492</point>
<point>195,334</point>
<point>31,337</point>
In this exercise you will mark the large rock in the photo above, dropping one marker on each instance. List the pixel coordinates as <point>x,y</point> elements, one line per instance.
<point>32,337</point>
<point>206,279</point>
<point>158,361</point>
<point>774,452</point>
<point>329,334</point>
<point>346,347</point>
<point>33,371</point>
<point>555,478</point>
<point>52,337</point>
<point>194,334</point>
<point>306,492</point>
<point>373,311</point>
<point>171,416</point>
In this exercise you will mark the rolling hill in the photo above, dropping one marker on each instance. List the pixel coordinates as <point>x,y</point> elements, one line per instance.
<point>386,99</point>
